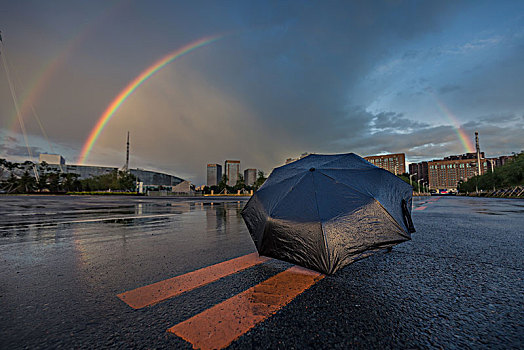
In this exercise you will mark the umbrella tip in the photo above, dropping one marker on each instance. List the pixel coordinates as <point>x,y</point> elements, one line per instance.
<point>312,169</point>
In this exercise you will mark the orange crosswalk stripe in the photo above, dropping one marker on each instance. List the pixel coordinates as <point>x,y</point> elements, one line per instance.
<point>218,326</point>
<point>421,208</point>
<point>157,292</point>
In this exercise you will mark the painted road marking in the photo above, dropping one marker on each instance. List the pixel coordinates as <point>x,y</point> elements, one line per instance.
<point>160,291</point>
<point>429,201</point>
<point>220,325</point>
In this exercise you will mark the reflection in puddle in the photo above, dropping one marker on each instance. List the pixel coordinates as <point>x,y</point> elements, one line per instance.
<point>45,218</point>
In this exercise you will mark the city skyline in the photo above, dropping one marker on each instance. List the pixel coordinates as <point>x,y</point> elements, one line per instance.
<point>261,81</point>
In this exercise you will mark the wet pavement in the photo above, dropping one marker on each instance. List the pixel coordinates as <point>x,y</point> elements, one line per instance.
<point>457,284</point>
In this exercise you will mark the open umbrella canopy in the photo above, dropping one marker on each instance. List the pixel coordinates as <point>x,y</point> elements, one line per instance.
<point>324,212</point>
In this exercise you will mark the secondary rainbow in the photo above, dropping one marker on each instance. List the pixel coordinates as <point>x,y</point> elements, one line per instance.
<point>41,80</point>
<point>132,86</point>
<point>463,137</point>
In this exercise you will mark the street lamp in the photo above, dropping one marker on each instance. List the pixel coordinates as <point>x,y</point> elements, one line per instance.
<point>476,183</point>
<point>419,185</point>
<point>410,179</point>
<point>476,179</point>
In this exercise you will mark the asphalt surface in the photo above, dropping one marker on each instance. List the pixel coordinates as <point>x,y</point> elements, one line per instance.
<point>457,284</point>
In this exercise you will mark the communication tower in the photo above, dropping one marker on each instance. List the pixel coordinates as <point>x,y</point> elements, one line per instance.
<point>479,166</point>
<point>126,166</point>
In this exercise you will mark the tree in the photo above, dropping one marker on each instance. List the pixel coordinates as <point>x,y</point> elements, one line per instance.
<point>260,180</point>
<point>115,181</point>
<point>43,168</point>
<point>26,184</point>
<point>126,181</point>
<point>240,185</point>
<point>223,183</point>
<point>413,184</point>
<point>53,181</point>
<point>70,182</point>
<point>12,183</point>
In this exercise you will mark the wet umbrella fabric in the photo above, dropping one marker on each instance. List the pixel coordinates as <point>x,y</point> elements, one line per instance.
<point>324,212</point>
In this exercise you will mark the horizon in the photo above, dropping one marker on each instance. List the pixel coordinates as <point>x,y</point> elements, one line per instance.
<point>407,163</point>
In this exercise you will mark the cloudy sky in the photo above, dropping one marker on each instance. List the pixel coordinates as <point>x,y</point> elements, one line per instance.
<point>284,78</point>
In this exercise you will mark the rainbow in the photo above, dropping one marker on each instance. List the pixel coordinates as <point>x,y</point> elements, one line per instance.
<point>463,137</point>
<point>39,84</point>
<point>132,86</point>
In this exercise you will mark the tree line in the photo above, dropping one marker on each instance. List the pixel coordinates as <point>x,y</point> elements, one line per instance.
<point>509,175</point>
<point>52,181</point>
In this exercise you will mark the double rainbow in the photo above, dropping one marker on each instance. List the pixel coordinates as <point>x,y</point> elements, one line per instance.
<point>132,86</point>
<point>463,137</point>
<point>41,80</point>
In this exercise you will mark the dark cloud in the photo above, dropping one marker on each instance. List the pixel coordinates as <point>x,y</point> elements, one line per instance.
<point>14,150</point>
<point>395,122</point>
<point>448,88</point>
<point>422,141</point>
<point>502,118</point>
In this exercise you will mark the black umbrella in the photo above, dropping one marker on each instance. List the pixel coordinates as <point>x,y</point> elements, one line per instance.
<point>326,211</point>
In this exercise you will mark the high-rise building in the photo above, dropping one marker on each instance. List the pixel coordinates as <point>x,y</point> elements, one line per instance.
<point>395,163</point>
<point>421,171</point>
<point>500,161</point>
<point>214,174</point>
<point>250,176</point>
<point>232,170</point>
<point>446,173</point>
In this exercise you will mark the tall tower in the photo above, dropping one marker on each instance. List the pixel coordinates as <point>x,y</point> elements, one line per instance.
<point>479,165</point>
<point>126,167</point>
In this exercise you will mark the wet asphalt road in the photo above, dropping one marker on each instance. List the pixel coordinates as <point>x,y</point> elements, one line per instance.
<point>457,284</point>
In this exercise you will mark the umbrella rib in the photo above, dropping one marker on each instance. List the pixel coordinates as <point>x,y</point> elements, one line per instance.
<point>392,219</point>
<point>320,221</point>
<point>371,196</point>
<point>389,214</point>
<point>285,195</point>
<point>344,184</point>
<point>279,182</point>
<point>355,170</point>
